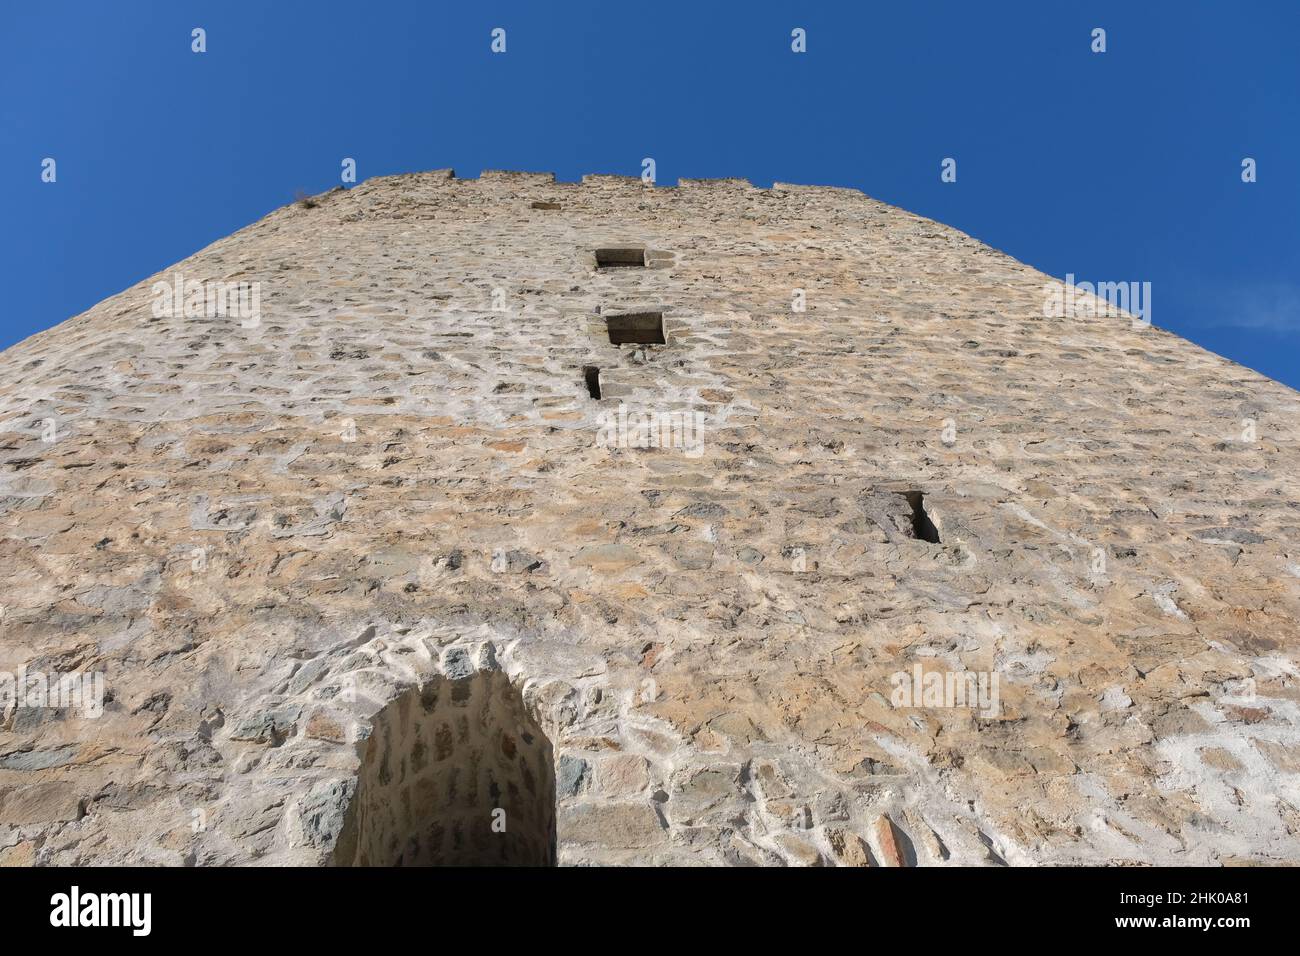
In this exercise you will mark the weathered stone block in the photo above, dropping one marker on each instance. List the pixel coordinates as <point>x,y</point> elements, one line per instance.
<point>47,802</point>
<point>624,825</point>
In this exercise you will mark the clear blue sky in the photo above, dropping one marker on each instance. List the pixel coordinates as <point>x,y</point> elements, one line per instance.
<point>1114,167</point>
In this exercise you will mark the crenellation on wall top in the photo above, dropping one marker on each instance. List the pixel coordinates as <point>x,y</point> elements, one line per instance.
<point>732,183</point>
<point>433,174</point>
<point>616,183</point>
<point>611,179</point>
<point>839,191</point>
<point>514,176</point>
<point>427,177</point>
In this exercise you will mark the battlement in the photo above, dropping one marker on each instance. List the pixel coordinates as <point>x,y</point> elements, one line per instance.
<point>607,182</point>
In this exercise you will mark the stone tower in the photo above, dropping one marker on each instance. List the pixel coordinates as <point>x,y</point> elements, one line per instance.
<point>517,521</point>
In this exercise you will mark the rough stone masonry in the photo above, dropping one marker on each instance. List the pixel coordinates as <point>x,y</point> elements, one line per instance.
<point>364,584</point>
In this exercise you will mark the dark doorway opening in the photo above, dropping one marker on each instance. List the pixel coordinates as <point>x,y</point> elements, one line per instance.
<point>455,773</point>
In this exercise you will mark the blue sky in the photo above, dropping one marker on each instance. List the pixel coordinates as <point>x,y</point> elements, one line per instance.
<point>1122,166</point>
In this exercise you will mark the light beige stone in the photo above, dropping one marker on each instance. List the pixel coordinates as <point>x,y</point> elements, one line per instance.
<point>613,825</point>
<point>51,801</point>
<point>849,848</point>
<point>623,775</point>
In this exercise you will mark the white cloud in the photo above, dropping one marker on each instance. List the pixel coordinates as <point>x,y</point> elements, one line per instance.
<point>1271,306</point>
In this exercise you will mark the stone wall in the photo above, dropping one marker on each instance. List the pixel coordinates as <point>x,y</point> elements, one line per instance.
<point>262,536</point>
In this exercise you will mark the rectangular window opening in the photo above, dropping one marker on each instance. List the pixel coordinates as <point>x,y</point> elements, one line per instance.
<point>591,375</point>
<point>636,328</point>
<point>620,257</point>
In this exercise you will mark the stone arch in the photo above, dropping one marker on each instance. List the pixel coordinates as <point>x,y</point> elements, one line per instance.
<point>456,772</point>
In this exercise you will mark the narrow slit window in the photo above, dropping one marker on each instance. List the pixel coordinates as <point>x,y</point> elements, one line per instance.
<point>620,257</point>
<point>636,328</point>
<point>591,375</point>
<point>923,529</point>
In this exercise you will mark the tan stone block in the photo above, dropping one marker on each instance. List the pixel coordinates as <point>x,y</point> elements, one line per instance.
<point>48,802</point>
<point>23,854</point>
<point>622,775</point>
<point>627,825</point>
<point>849,848</point>
<point>799,850</point>
<point>608,557</point>
<point>321,726</point>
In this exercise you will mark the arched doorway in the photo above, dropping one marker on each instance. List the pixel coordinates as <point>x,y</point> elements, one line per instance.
<point>455,773</point>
